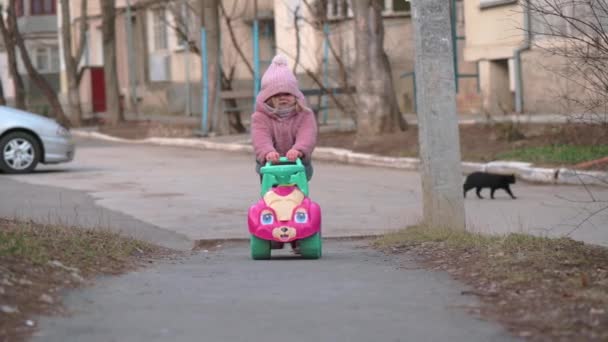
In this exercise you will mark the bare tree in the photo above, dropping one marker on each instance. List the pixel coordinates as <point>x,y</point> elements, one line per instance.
<point>229,18</point>
<point>577,31</point>
<point>234,117</point>
<point>8,35</point>
<point>316,19</point>
<point>318,10</point>
<point>180,26</point>
<point>71,60</point>
<point>296,18</point>
<point>113,105</point>
<point>41,82</point>
<point>377,110</point>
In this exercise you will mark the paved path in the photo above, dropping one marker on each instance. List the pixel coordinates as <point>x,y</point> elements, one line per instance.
<point>196,194</point>
<point>352,294</point>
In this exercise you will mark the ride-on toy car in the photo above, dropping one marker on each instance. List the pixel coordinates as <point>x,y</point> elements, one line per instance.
<point>285,214</point>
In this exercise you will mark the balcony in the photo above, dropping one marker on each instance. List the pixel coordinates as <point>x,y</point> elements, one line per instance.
<point>37,24</point>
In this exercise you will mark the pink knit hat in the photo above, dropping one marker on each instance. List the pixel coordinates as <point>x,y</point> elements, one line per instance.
<point>278,78</point>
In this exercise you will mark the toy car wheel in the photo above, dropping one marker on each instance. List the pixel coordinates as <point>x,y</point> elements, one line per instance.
<point>310,248</point>
<point>260,248</point>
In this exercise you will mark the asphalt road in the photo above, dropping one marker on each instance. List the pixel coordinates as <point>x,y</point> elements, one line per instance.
<point>186,194</point>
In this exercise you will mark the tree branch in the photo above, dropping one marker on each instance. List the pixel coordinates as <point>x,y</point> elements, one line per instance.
<point>233,39</point>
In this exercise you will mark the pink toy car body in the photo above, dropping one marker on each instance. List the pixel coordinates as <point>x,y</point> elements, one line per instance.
<point>284,214</point>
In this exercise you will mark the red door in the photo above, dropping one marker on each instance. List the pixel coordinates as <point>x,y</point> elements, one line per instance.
<point>98,89</point>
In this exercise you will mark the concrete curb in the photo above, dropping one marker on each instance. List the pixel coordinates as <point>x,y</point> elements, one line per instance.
<point>521,170</point>
<point>188,142</point>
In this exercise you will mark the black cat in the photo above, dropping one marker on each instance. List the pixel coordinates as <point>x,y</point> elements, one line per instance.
<point>480,180</point>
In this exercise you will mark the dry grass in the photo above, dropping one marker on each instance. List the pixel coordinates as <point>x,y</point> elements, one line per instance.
<point>37,261</point>
<point>542,289</point>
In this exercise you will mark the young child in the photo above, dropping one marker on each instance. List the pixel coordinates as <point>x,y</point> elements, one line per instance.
<point>282,125</point>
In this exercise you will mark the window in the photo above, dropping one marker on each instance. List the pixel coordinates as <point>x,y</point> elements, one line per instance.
<point>42,59</point>
<point>396,6</point>
<point>340,9</point>
<point>160,28</point>
<point>42,7</point>
<point>401,6</point>
<point>19,8</point>
<point>46,59</point>
<point>560,21</point>
<point>494,3</point>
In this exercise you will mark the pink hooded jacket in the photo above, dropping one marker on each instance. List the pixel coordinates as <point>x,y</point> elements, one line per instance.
<point>270,132</point>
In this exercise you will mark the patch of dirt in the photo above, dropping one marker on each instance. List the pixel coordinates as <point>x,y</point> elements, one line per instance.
<point>479,142</point>
<point>558,292</point>
<point>38,262</point>
<point>146,129</point>
<point>597,164</point>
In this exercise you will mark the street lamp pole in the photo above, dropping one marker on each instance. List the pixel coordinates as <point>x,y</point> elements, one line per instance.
<point>443,205</point>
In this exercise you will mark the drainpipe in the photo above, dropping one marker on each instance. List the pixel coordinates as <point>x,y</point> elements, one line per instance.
<point>519,98</point>
<point>186,17</point>
<point>256,53</point>
<point>325,70</point>
<point>205,85</point>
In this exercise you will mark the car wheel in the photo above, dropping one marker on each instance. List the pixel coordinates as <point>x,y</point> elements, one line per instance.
<point>19,153</point>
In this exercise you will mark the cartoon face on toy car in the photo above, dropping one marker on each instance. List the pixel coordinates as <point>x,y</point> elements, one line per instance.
<point>284,233</point>
<point>284,214</point>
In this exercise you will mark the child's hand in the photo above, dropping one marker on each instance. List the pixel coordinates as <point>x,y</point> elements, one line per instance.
<point>272,157</point>
<point>293,154</point>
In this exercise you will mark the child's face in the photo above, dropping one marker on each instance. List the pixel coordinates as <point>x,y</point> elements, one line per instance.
<point>282,100</point>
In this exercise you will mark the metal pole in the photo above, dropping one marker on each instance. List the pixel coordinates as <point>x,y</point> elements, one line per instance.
<point>325,71</point>
<point>187,55</point>
<point>256,53</point>
<point>477,76</point>
<point>218,81</point>
<point>454,30</point>
<point>205,87</point>
<point>415,99</point>
<point>130,57</point>
<point>441,172</point>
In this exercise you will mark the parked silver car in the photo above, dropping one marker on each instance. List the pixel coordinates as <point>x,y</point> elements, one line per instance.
<point>27,139</point>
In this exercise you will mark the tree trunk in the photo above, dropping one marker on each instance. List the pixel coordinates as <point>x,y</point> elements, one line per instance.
<point>2,98</point>
<point>113,106</point>
<point>378,111</point>
<point>8,36</point>
<point>40,81</point>
<point>71,62</point>
<point>234,118</point>
<point>211,22</point>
